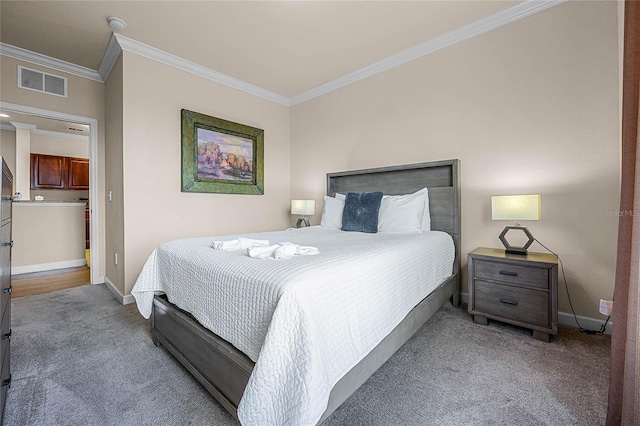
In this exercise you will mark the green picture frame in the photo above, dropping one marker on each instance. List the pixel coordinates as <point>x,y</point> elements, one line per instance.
<point>220,156</point>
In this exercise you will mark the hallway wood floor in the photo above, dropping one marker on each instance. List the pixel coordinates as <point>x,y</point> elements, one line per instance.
<point>45,282</point>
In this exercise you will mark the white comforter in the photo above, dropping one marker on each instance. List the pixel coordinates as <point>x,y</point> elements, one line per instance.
<point>305,321</point>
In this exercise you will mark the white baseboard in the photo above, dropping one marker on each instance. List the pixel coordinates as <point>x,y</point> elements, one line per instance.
<point>41,267</point>
<point>588,323</point>
<point>566,318</point>
<point>125,300</point>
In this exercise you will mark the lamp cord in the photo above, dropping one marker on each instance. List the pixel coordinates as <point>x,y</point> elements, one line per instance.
<point>566,287</point>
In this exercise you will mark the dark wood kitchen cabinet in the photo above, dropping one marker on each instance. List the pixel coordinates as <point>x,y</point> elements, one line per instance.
<point>56,172</point>
<point>48,172</point>
<point>78,173</point>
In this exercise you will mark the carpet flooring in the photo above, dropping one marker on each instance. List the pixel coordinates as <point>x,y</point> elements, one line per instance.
<point>80,358</point>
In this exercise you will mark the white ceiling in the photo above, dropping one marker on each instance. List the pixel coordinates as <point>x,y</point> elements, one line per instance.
<point>287,47</point>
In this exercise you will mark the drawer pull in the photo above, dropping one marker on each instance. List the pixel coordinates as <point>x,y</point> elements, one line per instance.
<point>509,302</point>
<point>8,244</point>
<point>6,382</point>
<point>511,274</point>
<point>6,290</point>
<point>7,336</point>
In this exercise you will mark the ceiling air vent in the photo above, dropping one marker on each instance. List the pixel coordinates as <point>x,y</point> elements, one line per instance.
<point>41,82</point>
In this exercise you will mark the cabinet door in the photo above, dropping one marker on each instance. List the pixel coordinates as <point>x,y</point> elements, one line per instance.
<point>78,173</point>
<point>48,172</point>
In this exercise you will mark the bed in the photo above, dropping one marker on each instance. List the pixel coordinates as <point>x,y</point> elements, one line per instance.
<point>228,373</point>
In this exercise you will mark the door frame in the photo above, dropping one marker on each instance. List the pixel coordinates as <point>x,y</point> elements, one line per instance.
<point>94,201</point>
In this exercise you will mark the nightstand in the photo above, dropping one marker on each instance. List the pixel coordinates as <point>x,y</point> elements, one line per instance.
<point>516,289</point>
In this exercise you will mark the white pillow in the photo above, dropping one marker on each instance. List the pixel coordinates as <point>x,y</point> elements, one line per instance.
<point>340,196</point>
<point>426,218</point>
<point>332,212</point>
<point>403,213</point>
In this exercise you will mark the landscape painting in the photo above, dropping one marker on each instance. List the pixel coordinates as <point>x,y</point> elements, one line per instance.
<point>226,157</point>
<point>221,156</point>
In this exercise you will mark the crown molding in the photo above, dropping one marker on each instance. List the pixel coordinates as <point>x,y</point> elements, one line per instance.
<point>48,61</point>
<point>55,115</point>
<point>34,130</point>
<point>55,134</point>
<point>465,32</point>
<point>110,58</point>
<point>18,125</point>
<point>141,49</point>
<point>119,43</point>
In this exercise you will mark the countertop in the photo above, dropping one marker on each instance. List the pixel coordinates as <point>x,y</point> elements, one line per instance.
<point>50,203</point>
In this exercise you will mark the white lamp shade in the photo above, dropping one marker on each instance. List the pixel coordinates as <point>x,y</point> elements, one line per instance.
<point>303,207</point>
<point>516,207</point>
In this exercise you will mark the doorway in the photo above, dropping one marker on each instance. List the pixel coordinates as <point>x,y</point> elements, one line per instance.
<point>94,202</point>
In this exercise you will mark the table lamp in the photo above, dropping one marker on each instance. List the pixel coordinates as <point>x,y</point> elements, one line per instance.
<point>303,208</point>
<point>516,207</point>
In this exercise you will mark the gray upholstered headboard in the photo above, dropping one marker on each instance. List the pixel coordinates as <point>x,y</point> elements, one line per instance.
<point>441,177</point>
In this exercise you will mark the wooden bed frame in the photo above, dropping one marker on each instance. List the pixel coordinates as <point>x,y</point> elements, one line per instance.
<point>224,371</point>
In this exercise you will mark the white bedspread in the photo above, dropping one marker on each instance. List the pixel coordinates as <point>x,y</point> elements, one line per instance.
<point>305,321</point>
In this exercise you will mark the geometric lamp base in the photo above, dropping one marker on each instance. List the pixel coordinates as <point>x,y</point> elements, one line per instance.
<point>301,221</point>
<point>516,249</point>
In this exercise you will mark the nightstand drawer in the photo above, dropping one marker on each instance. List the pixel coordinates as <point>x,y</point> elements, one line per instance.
<point>514,303</point>
<point>508,272</point>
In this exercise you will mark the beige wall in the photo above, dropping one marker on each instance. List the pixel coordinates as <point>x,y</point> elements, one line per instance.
<point>85,98</point>
<point>44,234</point>
<point>155,208</point>
<point>529,108</point>
<point>53,145</point>
<point>114,177</point>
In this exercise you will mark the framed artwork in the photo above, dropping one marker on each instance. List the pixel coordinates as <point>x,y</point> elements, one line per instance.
<point>221,156</point>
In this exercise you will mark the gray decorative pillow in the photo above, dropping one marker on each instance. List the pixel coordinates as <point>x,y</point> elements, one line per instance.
<point>360,212</point>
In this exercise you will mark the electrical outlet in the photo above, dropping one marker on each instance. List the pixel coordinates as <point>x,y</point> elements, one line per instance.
<point>110,195</point>
<point>115,258</point>
<point>606,307</point>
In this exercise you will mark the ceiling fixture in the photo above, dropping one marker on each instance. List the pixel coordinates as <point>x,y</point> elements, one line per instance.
<point>116,24</point>
<point>4,115</point>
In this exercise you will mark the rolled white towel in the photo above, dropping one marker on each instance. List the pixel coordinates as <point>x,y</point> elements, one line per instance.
<point>307,251</point>
<point>262,252</point>
<point>240,243</point>
<point>284,250</point>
